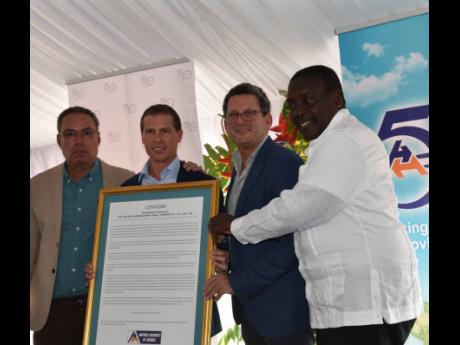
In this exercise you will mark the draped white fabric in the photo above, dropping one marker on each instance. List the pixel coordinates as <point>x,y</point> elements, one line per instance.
<point>259,41</point>
<point>45,157</point>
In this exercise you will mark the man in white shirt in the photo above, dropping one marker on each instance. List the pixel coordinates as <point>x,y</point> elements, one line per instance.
<point>360,269</point>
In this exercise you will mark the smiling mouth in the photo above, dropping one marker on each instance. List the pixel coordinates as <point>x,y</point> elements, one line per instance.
<point>242,130</point>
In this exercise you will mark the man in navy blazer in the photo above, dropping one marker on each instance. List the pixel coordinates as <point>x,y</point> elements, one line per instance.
<point>268,292</point>
<point>161,131</point>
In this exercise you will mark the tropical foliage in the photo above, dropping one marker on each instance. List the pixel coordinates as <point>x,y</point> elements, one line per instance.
<point>233,334</point>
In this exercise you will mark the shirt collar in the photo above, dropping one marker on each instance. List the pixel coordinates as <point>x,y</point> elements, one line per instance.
<point>342,113</point>
<point>339,116</point>
<point>237,160</point>
<point>171,170</point>
<point>95,171</point>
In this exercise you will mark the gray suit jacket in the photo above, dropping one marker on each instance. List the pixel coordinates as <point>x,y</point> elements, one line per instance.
<point>45,232</point>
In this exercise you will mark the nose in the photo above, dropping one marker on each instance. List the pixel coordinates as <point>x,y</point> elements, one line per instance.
<point>79,137</point>
<point>157,137</point>
<point>239,119</point>
<point>298,112</point>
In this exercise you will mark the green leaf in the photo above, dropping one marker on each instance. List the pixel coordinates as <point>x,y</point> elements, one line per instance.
<point>229,142</point>
<point>212,153</point>
<point>223,152</point>
<point>421,326</point>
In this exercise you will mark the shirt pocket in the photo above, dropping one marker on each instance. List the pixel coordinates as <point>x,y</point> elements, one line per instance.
<point>325,281</point>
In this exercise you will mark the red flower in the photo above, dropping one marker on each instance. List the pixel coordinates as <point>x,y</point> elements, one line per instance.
<point>283,125</point>
<point>226,174</point>
<point>283,130</point>
<point>225,160</point>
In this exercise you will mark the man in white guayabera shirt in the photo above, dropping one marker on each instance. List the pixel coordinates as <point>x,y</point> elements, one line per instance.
<point>360,270</point>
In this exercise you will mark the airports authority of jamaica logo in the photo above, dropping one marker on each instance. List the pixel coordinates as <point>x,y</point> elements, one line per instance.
<point>409,153</point>
<point>144,337</point>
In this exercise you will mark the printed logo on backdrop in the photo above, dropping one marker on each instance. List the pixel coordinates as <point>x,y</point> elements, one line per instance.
<point>114,137</point>
<point>110,88</point>
<point>129,108</point>
<point>184,74</point>
<point>189,126</point>
<point>168,101</point>
<point>409,153</point>
<point>78,94</point>
<point>144,337</point>
<point>147,81</point>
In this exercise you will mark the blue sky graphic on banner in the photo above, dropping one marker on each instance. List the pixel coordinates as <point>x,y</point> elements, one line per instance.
<point>385,80</point>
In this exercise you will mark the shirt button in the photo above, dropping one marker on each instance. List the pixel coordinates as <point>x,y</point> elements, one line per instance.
<point>75,248</point>
<point>74,289</point>
<point>79,209</point>
<point>73,269</point>
<point>80,190</point>
<point>90,178</point>
<point>77,228</point>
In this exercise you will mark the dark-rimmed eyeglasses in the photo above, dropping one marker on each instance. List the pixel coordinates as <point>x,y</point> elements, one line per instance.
<point>247,115</point>
<point>85,133</point>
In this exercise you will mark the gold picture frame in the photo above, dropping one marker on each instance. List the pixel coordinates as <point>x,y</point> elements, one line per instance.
<point>144,237</point>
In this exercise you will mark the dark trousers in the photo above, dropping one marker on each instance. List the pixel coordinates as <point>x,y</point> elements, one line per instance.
<point>384,334</point>
<point>251,337</point>
<point>65,324</point>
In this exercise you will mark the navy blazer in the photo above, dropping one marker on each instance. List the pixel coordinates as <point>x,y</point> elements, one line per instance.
<point>269,291</point>
<point>189,176</point>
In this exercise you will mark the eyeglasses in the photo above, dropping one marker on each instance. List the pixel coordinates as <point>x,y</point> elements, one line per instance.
<point>247,115</point>
<point>85,133</point>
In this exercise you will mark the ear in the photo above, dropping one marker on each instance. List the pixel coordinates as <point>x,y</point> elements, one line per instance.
<point>269,120</point>
<point>58,139</point>
<point>337,99</point>
<point>180,133</point>
<point>98,138</point>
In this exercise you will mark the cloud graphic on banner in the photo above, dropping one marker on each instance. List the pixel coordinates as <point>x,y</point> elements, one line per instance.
<point>415,63</point>
<point>373,49</point>
<point>363,90</point>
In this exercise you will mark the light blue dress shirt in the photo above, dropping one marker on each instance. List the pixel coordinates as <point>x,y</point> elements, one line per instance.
<point>168,175</point>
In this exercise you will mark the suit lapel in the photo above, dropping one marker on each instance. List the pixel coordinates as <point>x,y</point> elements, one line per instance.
<point>108,179</point>
<point>254,173</point>
<point>57,179</point>
<point>182,174</point>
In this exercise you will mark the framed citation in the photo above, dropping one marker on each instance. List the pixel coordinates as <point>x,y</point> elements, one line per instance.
<point>151,260</point>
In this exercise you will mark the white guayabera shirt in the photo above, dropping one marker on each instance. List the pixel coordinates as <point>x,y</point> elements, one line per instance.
<point>354,254</point>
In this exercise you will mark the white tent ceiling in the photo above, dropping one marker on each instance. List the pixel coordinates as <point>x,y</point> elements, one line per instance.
<point>260,41</point>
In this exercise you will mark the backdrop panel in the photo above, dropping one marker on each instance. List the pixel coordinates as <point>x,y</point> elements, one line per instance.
<point>119,102</point>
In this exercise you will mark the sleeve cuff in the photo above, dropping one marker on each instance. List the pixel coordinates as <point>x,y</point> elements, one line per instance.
<point>236,232</point>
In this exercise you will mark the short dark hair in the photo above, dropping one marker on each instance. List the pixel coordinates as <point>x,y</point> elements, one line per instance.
<point>76,110</point>
<point>157,109</point>
<point>248,89</point>
<point>327,75</point>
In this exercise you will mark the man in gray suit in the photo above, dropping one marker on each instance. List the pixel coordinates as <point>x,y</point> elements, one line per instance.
<point>63,208</point>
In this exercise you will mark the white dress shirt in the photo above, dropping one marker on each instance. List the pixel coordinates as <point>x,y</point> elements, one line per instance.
<point>353,252</point>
